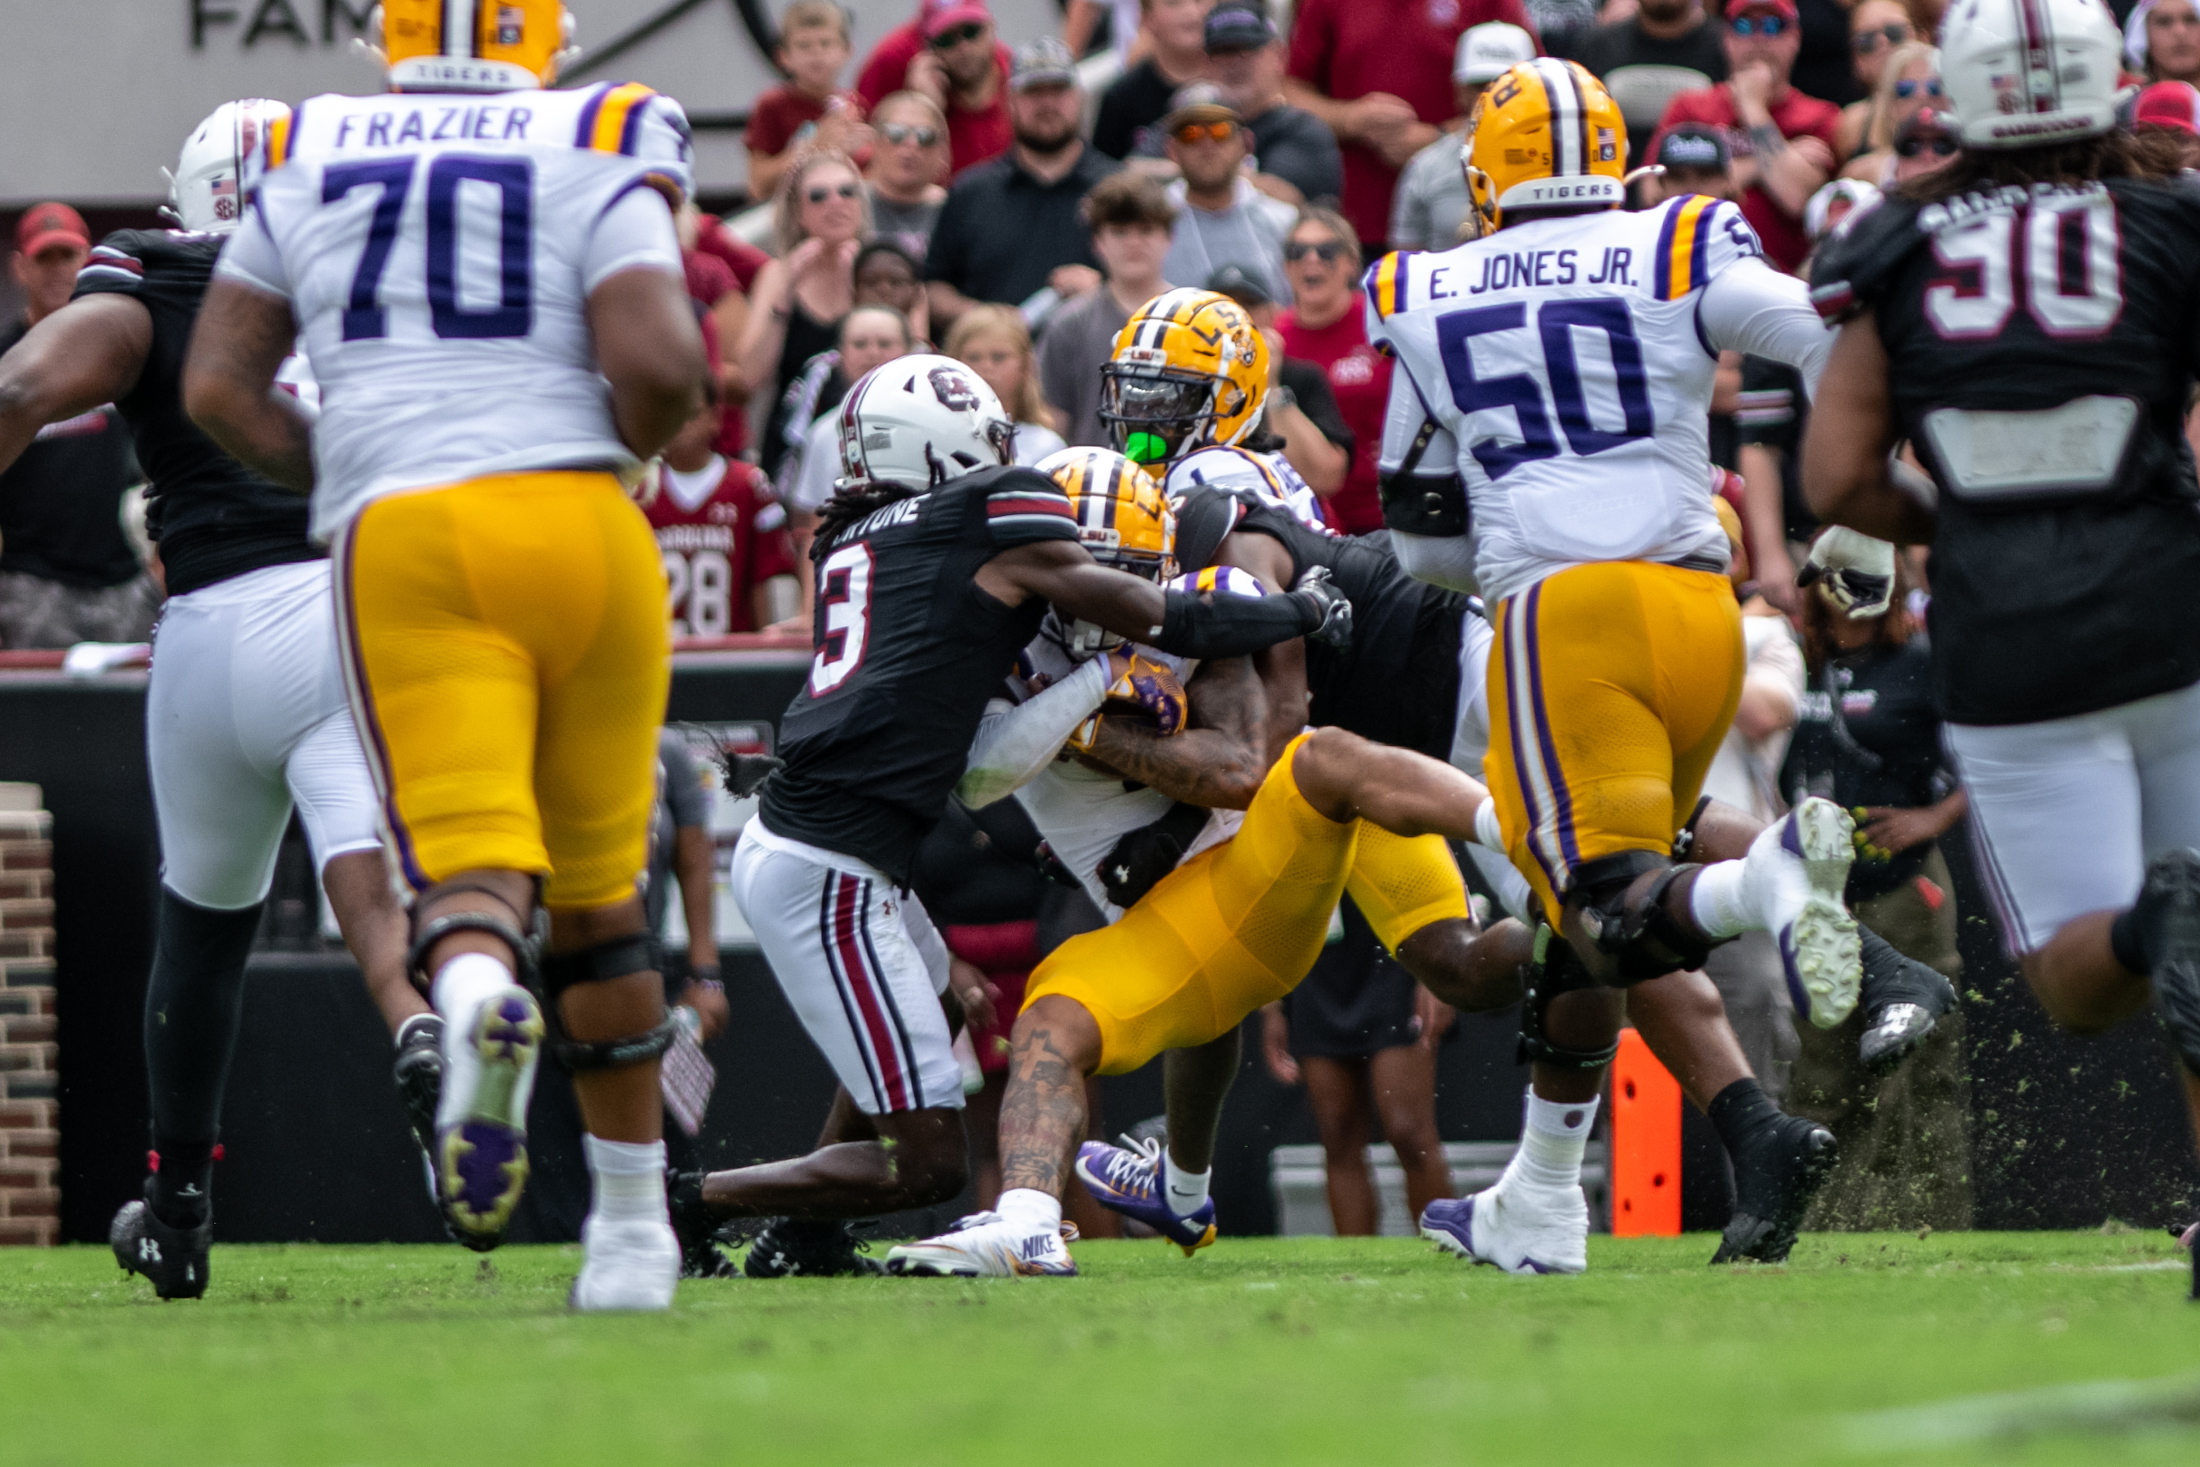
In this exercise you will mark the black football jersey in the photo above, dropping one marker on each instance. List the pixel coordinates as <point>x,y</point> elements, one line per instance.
<point>2040,347</point>
<point>1398,683</point>
<point>908,650</point>
<point>214,518</point>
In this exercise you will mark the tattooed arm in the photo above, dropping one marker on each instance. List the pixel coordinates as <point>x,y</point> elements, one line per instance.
<point>242,336</point>
<point>1220,758</point>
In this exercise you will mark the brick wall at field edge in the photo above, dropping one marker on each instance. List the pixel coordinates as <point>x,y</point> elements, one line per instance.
<point>30,1137</point>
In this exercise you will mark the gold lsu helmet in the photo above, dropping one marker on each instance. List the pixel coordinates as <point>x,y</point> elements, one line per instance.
<point>1123,518</point>
<point>1189,371</point>
<point>474,45</point>
<point>1545,135</point>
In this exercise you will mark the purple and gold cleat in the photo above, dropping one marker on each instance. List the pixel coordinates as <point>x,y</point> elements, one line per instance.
<point>1522,1229</point>
<point>481,1125</point>
<point>1127,1179</point>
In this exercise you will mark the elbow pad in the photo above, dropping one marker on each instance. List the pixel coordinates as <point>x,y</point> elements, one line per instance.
<point>1233,626</point>
<point>1431,505</point>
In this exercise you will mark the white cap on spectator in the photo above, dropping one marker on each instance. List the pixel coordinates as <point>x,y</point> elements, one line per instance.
<point>1488,51</point>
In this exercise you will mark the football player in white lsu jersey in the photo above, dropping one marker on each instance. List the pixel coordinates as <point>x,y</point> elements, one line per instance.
<point>487,278</point>
<point>1561,367</point>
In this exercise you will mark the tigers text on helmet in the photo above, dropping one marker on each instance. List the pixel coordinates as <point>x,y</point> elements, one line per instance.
<point>1545,135</point>
<point>1123,518</point>
<point>920,421</point>
<point>2027,73</point>
<point>473,45</point>
<point>1189,371</point>
<point>206,192</point>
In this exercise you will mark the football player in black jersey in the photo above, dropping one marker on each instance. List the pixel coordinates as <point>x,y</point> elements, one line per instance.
<point>935,562</point>
<point>245,707</point>
<point>2027,319</point>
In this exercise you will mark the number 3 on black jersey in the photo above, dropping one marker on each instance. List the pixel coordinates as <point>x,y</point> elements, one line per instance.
<point>844,611</point>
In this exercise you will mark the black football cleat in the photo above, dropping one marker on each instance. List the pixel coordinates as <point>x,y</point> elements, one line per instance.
<point>697,1229</point>
<point>1902,1000</point>
<point>1773,1185</point>
<point>812,1248</point>
<point>419,1076</point>
<point>2170,904</point>
<point>173,1258</point>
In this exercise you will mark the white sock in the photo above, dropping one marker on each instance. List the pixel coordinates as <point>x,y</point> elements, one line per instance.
<point>1487,830</point>
<point>1184,1190</point>
<point>1552,1141</point>
<point>629,1179</point>
<point>1031,1209</point>
<point>1720,901</point>
<point>464,983</point>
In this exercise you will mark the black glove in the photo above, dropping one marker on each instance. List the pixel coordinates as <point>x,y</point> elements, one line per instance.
<point>1145,855</point>
<point>1335,628</point>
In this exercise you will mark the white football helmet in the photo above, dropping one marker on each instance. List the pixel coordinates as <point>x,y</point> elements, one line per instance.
<point>921,420</point>
<point>206,192</point>
<point>2028,73</point>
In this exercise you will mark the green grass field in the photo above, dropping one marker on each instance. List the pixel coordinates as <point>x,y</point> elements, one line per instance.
<point>2066,1347</point>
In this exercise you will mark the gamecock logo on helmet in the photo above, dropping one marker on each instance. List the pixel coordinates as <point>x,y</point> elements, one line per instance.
<point>953,390</point>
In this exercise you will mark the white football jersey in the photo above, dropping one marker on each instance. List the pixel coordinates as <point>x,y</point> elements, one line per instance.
<point>1268,475</point>
<point>438,251</point>
<point>1569,363</point>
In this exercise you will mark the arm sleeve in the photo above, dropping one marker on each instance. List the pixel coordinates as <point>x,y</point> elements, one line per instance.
<point>634,230</point>
<point>1230,626</point>
<point>1511,887</point>
<point>1767,413</point>
<point>250,257</point>
<point>1016,741</point>
<point>1751,307</point>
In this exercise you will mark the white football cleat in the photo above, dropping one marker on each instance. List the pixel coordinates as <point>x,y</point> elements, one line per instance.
<point>987,1245</point>
<point>1518,1228</point>
<point>1797,869</point>
<point>631,1264</point>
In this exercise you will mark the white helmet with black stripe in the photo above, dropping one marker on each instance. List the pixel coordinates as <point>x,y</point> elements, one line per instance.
<point>206,193</point>
<point>2028,73</point>
<point>921,421</point>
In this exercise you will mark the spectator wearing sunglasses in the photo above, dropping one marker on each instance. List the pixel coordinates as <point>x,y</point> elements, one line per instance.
<point>951,55</point>
<point>1782,140</point>
<point>795,310</point>
<point>1222,219</point>
<point>1908,84</point>
<point>909,165</point>
<point>1136,102</point>
<point>1877,29</point>
<point>2162,40</point>
<point>1926,144</point>
<point>810,110</point>
<point>1432,203</point>
<point>1010,228</point>
<point>1378,72</point>
<point>1328,326</point>
<point>1294,152</point>
<point>1665,48</point>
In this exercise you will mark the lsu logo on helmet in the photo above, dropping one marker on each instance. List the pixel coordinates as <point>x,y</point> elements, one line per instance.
<point>1545,135</point>
<point>491,46</point>
<point>1189,371</point>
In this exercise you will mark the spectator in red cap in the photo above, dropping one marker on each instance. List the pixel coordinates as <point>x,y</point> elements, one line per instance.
<point>1379,73</point>
<point>950,54</point>
<point>67,573</point>
<point>1783,141</point>
<point>2172,108</point>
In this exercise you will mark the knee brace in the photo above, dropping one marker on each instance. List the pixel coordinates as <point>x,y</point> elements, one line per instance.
<point>617,958</point>
<point>1625,915</point>
<point>428,931</point>
<point>1555,969</point>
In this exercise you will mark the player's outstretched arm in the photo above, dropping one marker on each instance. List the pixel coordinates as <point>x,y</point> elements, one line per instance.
<point>1218,761</point>
<point>1852,432</point>
<point>241,338</point>
<point>1202,626</point>
<point>650,349</point>
<point>87,353</point>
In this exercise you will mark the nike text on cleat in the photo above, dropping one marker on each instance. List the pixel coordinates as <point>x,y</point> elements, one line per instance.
<point>1773,1185</point>
<point>987,1245</point>
<point>1129,1179</point>
<point>1818,943</point>
<point>631,1264</point>
<point>811,1248</point>
<point>1516,1228</point>
<point>481,1129</point>
<point>174,1259</point>
<point>2171,898</point>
